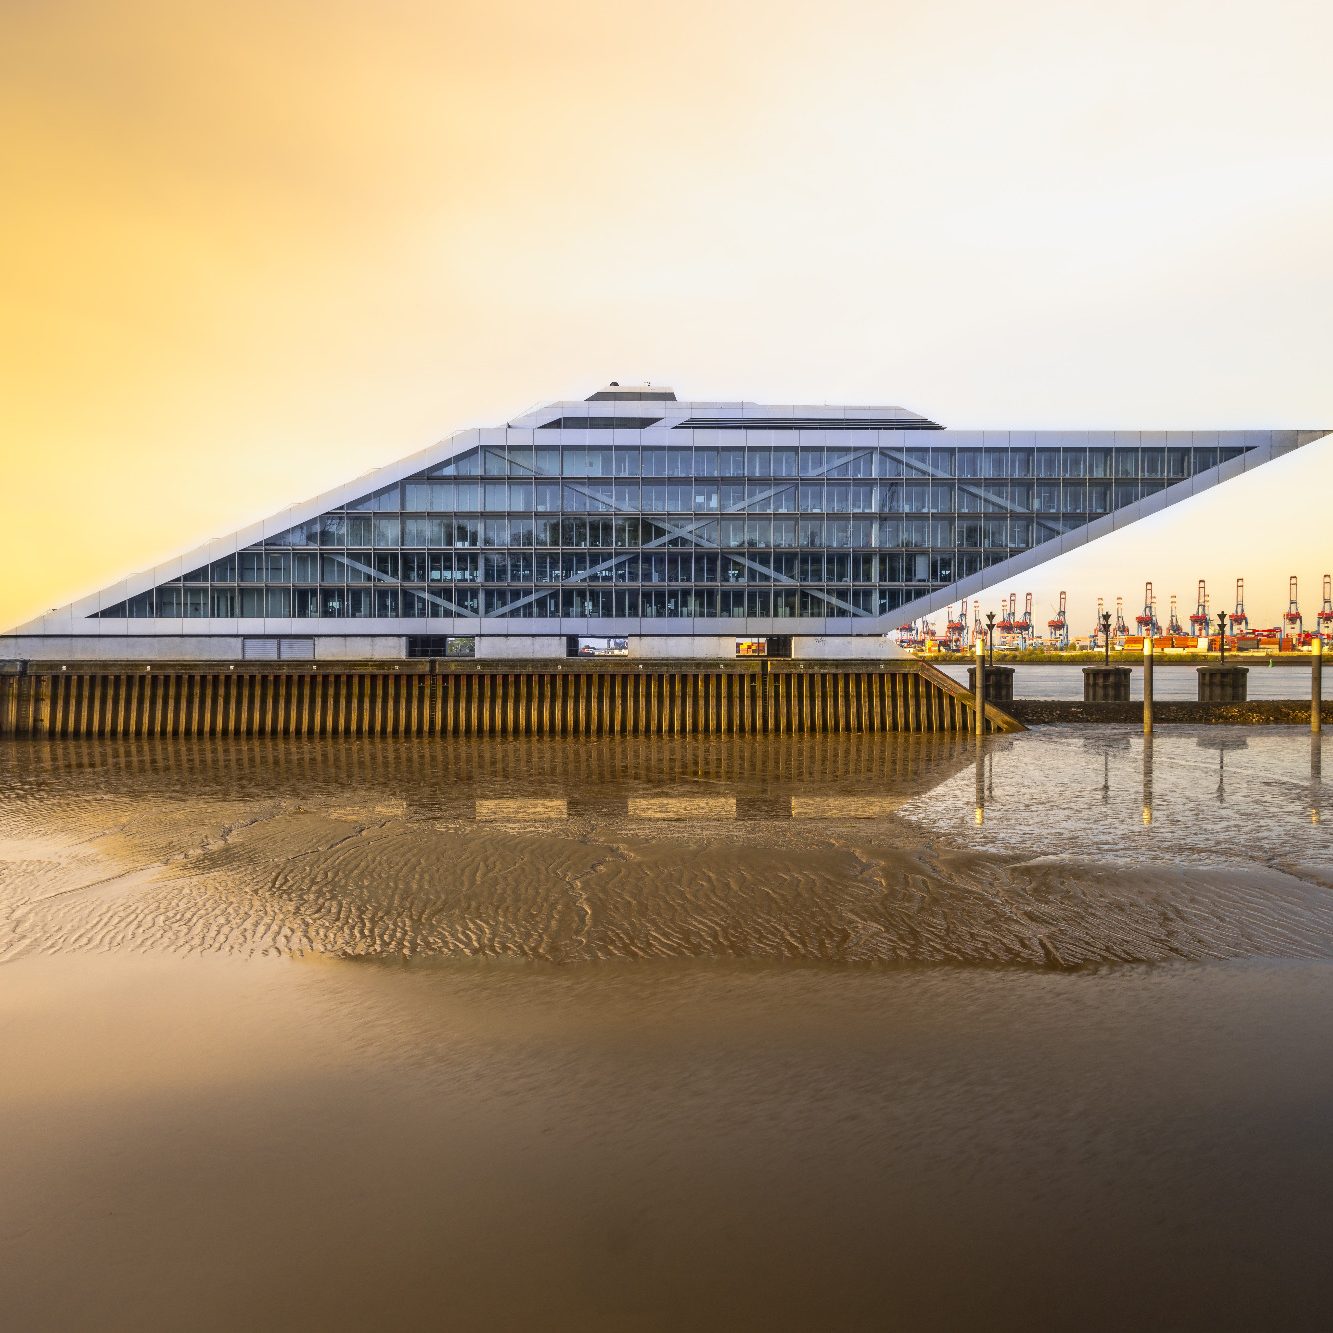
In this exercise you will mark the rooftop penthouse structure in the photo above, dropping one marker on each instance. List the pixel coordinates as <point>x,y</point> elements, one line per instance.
<point>633,523</point>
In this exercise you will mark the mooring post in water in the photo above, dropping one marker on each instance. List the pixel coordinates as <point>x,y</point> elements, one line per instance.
<point>979,686</point>
<point>1147,684</point>
<point>1316,683</point>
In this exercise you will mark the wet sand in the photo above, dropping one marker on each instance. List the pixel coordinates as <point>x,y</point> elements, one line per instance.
<point>653,1035</point>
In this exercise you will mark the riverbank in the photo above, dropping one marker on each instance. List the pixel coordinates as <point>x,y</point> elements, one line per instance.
<point>1256,712</point>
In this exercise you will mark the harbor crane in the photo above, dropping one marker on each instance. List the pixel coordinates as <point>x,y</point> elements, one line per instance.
<point>1147,620</point>
<point>1121,629</point>
<point>1240,622</point>
<point>1024,626</point>
<point>1292,621</point>
<point>1199,622</point>
<point>957,627</point>
<point>1059,627</point>
<point>1095,638</point>
<point>1175,628</point>
<point>1326,611</point>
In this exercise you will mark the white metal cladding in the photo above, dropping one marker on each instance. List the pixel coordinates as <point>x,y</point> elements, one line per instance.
<point>789,519</point>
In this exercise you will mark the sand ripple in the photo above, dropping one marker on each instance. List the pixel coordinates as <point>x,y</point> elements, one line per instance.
<point>390,866</point>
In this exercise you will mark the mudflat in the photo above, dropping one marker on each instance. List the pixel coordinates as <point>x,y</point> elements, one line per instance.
<point>785,1033</point>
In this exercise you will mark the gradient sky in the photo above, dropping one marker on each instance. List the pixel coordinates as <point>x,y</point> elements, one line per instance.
<point>251,250</point>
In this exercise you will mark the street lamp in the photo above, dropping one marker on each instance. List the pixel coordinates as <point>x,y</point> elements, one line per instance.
<point>990,638</point>
<point>1221,638</point>
<point>1106,635</point>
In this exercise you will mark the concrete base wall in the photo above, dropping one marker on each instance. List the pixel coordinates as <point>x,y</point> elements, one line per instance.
<point>526,647</point>
<point>844,647</point>
<point>129,648</point>
<point>196,648</point>
<point>392,647</point>
<point>681,647</point>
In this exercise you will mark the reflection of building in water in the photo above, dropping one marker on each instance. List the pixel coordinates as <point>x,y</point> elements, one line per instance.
<point>690,529</point>
<point>806,776</point>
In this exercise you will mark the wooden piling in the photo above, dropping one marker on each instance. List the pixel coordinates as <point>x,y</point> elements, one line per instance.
<point>435,699</point>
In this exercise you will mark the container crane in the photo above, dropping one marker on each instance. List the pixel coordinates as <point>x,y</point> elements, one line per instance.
<point>1175,628</point>
<point>1326,611</point>
<point>1024,626</point>
<point>1096,637</point>
<point>1240,622</point>
<point>1292,622</point>
<point>958,628</point>
<point>1147,620</point>
<point>978,629</point>
<point>1121,629</point>
<point>1199,622</point>
<point>1059,627</point>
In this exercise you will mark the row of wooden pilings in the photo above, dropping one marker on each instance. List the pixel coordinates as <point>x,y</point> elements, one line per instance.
<point>447,699</point>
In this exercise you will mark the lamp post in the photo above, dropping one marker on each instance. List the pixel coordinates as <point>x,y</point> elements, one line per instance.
<point>1106,635</point>
<point>990,638</point>
<point>1221,639</point>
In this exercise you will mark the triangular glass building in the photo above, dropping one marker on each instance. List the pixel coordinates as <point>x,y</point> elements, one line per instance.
<point>634,522</point>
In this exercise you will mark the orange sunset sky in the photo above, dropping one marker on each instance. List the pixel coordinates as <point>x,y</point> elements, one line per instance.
<point>253,249</point>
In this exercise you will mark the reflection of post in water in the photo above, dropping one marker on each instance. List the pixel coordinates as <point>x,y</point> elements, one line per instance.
<point>1316,778</point>
<point>1104,745</point>
<point>1222,743</point>
<point>980,804</point>
<point>1147,780</point>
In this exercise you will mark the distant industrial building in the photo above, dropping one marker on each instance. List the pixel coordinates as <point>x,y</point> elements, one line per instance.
<point>632,523</point>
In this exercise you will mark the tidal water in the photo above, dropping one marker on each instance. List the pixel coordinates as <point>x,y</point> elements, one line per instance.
<point>1169,682</point>
<point>774,1033</point>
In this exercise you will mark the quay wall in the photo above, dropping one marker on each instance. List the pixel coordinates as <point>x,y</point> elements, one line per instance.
<point>438,698</point>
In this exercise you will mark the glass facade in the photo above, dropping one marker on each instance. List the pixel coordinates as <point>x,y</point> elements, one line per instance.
<point>659,523</point>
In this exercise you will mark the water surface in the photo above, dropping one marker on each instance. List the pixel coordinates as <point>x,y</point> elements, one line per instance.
<point>781,1033</point>
<point>1169,682</point>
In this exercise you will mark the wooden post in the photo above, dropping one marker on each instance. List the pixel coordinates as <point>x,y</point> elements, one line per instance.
<point>1316,683</point>
<point>981,686</point>
<point>1147,684</point>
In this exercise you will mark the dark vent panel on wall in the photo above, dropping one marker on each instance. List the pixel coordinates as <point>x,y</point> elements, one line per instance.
<point>808,423</point>
<point>599,423</point>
